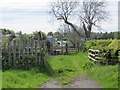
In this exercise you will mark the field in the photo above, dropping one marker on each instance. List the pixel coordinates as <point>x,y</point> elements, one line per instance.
<point>65,68</point>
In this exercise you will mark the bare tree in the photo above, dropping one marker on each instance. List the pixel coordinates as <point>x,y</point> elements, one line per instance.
<point>92,12</point>
<point>63,10</point>
<point>72,36</point>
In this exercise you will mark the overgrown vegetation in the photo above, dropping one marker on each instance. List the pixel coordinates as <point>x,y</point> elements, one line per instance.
<point>109,49</point>
<point>67,67</point>
<point>23,52</point>
<point>23,79</point>
<point>107,76</point>
<point>64,68</point>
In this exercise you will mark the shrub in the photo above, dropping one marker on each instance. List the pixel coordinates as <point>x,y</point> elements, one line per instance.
<point>97,44</point>
<point>109,49</point>
<point>114,45</point>
<point>27,63</point>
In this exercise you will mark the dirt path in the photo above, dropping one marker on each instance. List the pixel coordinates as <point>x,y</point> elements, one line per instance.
<point>52,84</point>
<point>81,82</point>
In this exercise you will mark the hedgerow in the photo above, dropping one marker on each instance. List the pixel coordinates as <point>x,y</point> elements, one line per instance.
<point>109,49</point>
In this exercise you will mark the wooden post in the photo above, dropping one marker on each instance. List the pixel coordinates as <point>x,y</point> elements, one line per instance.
<point>66,48</point>
<point>32,47</point>
<point>9,53</point>
<point>23,49</point>
<point>27,47</point>
<point>14,53</point>
<point>40,42</point>
<point>36,51</point>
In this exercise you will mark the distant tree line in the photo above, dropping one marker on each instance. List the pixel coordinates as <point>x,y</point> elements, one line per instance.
<point>23,36</point>
<point>94,35</point>
<point>106,35</point>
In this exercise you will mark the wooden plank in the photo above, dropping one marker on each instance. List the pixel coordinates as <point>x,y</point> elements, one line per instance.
<point>32,45</point>
<point>36,51</point>
<point>14,54</point>
<point>93,55</point>
<point>98,58</point>
<point>27,47</point>
<point>9,52</point>
<point>92,59</point>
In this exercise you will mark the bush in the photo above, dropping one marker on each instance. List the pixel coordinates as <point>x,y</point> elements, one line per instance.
<point>108,57</point>
<point>97,44</point>
<point>109,49</point>
<point>114,45</point>
<point>27,63</point>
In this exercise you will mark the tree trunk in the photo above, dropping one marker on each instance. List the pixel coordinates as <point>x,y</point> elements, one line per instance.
<point>72,27</point>
<point>87,30</point>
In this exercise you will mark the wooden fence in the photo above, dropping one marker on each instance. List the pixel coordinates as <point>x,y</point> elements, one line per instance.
<point>64,49</point>
<point>94,55</point>
<point>17,50</point>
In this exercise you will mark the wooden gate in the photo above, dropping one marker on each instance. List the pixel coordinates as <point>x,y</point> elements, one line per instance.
<point>17,50</point>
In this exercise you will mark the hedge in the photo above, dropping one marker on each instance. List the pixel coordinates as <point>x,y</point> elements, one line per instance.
<point>109,49</point>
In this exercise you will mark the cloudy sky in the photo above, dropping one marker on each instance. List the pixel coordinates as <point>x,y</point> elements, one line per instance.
<point>33,15</point>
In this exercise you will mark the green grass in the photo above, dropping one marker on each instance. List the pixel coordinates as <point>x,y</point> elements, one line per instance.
<point>67,67</point>
<point>0,79</point>
<point>23,79</point>
<point>107,76</point>
<point>64,68</point>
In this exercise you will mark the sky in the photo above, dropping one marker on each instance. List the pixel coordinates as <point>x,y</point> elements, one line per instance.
<point>33,15</point>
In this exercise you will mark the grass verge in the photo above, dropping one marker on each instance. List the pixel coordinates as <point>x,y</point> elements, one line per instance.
<point>68,67</point>
<point>107,76</point>
<point>23,79</point>
<point>65,68</point>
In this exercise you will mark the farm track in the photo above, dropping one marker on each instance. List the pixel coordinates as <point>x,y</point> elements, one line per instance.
<point>81,82</point>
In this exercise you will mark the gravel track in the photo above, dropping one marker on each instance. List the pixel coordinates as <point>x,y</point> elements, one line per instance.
<point>81,82</point>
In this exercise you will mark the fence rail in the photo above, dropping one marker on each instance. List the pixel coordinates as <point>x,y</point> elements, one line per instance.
<point>94,55</point>
<point>60,50</point>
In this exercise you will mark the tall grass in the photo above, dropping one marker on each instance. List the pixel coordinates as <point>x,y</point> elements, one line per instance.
<point>23,79</point>
<point>107,76</point>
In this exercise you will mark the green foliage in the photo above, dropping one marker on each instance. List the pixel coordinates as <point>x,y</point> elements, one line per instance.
<point>27,63</point>
<point>114,45</point>
<point>50,34</point>
<point>109,49</point>
<point>97,44</point>
<point>7,31</point>
<point>117,35</point>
